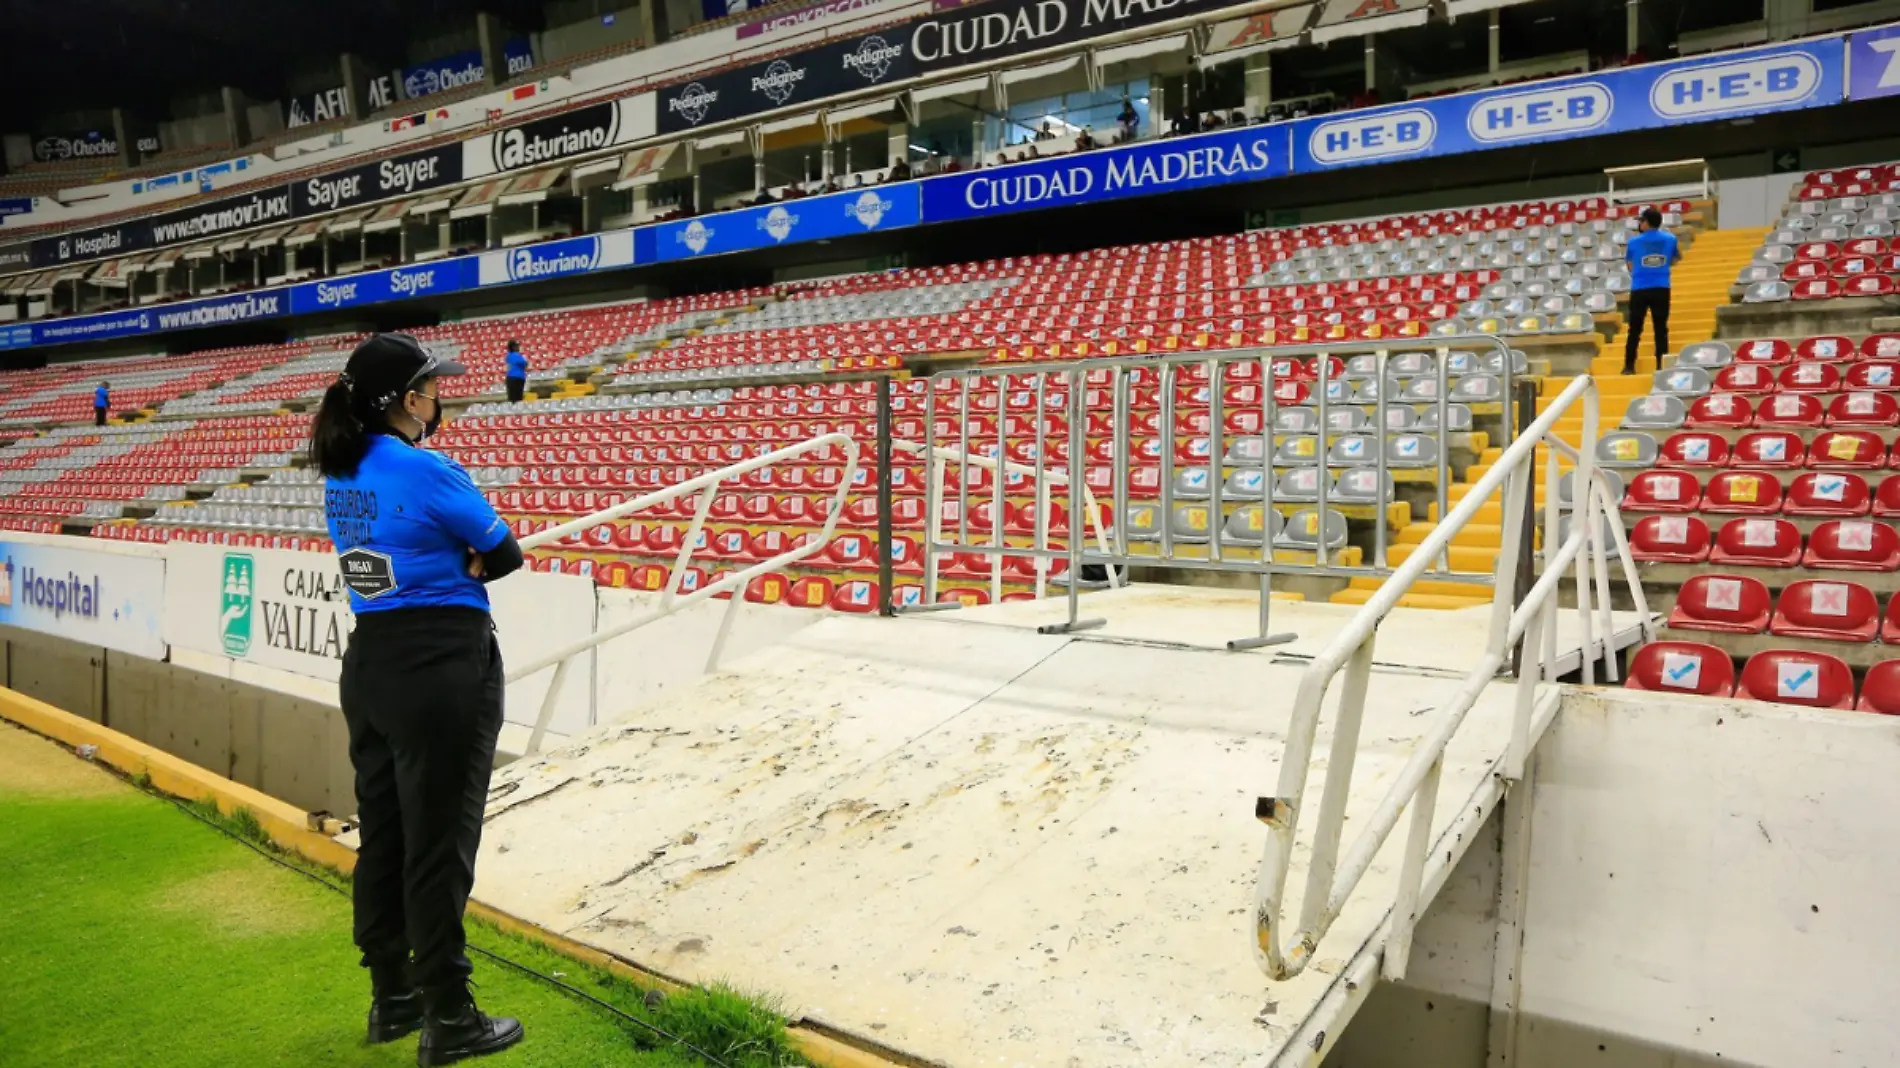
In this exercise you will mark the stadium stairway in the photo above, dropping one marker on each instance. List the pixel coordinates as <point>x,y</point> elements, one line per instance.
<point>1709,267</point>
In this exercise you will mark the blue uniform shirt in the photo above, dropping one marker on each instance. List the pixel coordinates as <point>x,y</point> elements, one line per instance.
<point>99,397</point>
<point>1650,254</point>
<point>517,365</point>
<point>403,525</point>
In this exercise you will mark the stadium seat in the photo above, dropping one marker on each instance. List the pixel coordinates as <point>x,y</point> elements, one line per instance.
<point>1830,611</point>
<point>1764,351</point>
<point>1880,347</point>
<point>1720,410</point>
<point>1742,493</point>
<point>1863,409</point>
<point>1708,355</point>
<point>1837,449</point>
<point>1887,498</point>
<point>1826,348</point>
<point>1757,542</point>
<point>1882,374</point>
<point>1626,449</point>
<point>1853,545</point>
<point>1670,539</point>
<point>1685,382</point>
<point>1794,677</point>
<point>1768,449</point>
<point>1654,411</point>
<point>1745,378</point>
<point>1694,449</point>
<point>1828,494</point>
<point>1727,604</point>
<point>1790,409</point>
<point>1663,490</point>
<point>1880,690</point>
<point>1682,667</point>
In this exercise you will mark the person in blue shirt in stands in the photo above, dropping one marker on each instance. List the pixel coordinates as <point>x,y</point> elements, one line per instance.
<point>421,687</point>
<point>101,402</point>
<point>1651,253</point>
<point>517,376</point>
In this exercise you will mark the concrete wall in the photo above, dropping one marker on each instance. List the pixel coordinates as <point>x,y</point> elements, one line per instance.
<point>1710,883</point>
<point>291,747</point>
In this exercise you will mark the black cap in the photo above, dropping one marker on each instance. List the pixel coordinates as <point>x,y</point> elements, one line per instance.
<point>386,366</point>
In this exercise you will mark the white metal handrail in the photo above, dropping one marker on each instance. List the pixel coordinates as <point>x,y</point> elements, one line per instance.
<point>707,486</point>
<point>1328,882</point>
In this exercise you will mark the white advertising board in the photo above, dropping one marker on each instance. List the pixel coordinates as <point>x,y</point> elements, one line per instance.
<point>289,611</point>
<point>100,598</point>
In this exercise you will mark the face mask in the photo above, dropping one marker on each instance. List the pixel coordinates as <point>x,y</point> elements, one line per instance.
<point>435,421</point>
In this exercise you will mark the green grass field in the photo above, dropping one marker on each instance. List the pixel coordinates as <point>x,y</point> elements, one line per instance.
<point>133,935</point>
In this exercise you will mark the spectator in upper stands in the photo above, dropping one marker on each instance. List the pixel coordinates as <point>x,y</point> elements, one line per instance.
<point>1651,253</point>
<point>900,171</point>
<point>1047,132</point>
<point>517,376</point>
<point>1128,119</point>
<point>1084,140</point>
<point>1183,123</point>
<point>1237,118</point>
<point>101,401</point>
<point>1211,121</point>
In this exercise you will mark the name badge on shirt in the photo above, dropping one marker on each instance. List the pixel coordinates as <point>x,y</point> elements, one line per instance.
<point>368,574</point>
<point>1655,260</point>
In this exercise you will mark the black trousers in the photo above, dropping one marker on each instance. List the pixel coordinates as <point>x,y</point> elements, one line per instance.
<point>98,417</point>
<point>422,693</point>
<point>1647,302</point>
<point>516,386</point>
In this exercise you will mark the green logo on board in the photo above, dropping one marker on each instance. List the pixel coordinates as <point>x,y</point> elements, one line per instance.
<point>234,621</point>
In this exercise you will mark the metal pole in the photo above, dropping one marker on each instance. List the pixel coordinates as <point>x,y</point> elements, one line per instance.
<point>1075,499</point>
<point>885,568</point>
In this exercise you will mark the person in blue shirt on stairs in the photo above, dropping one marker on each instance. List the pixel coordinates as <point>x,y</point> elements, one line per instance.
<point>421,688</point>
<point>1651,253</point>
<point>517,376</point>
<point>101,403</point>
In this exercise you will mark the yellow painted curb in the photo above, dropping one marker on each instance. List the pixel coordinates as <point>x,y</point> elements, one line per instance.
<point>290,828</point>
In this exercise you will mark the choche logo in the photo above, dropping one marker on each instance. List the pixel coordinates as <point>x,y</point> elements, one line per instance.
<point>696,236</point>
<point>236,603</point>
<point>868,209</point>
<point>778,223</point>
<point>693,102</point>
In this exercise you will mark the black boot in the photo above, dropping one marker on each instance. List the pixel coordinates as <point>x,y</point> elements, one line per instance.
<point>395,1006</point>
<point>454,1029</point>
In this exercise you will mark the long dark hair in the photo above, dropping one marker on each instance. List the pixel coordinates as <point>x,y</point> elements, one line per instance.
<point>339,436</point>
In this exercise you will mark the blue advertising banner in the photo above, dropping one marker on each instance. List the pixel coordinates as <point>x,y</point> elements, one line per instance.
<point>16,206</point>
<point>1244,155</point>
<point>464,68</point>
<point>847,214</point>
<point>16,336</point>
<point>555,259</point>
<point>1873,63</point>
<point>1757,81</point>
<point>377,287</point>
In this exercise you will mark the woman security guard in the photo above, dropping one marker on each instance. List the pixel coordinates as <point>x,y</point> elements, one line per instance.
<point>421,687</point>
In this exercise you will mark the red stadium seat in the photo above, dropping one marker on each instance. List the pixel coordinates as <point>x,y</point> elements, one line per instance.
<point>857,595</point>
<point>1742,493</point>
<point>1882,374</point>
<point>1693,449</point>
<point>1817,289</point>
<point>1670,539</point>
<point>769,588</point>
<point>650,577</point>
<point>1830,611</point>
<point>1790,409</point>
<point>1835,494</point>
<point>1867,285</point>
<point>615,573</point>
<point>1764,350</point>
<point>967,596</point>
<point>1887,498</point>
<point>1853,545</point>
<point>1863,408</point>
<point>1745,378</point>
<point>1880,347</point>
<point>1809,376</point>
<point>1796,677</point>
<point>1663,490</point>
<point>1727,604</point>
<point>1757,542</point>
<point>812,591</point>
<point>1720,410</point>
<point>1826,348</point>
<point>1768,449</point>
<point>1682,667</point>
<point>1880,690</point>
<point>1838,449</point>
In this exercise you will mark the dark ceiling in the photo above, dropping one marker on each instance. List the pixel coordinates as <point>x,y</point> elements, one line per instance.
<point>59,56</point>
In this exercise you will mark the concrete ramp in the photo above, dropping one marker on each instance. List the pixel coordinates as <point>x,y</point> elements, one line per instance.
<point>976,845</point>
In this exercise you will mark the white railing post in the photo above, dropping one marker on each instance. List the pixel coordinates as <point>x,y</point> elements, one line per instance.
<point>1418,842</point>
<point>1339,764</point>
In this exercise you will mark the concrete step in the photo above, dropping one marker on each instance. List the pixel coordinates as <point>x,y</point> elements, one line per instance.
<point>1440,601</point>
